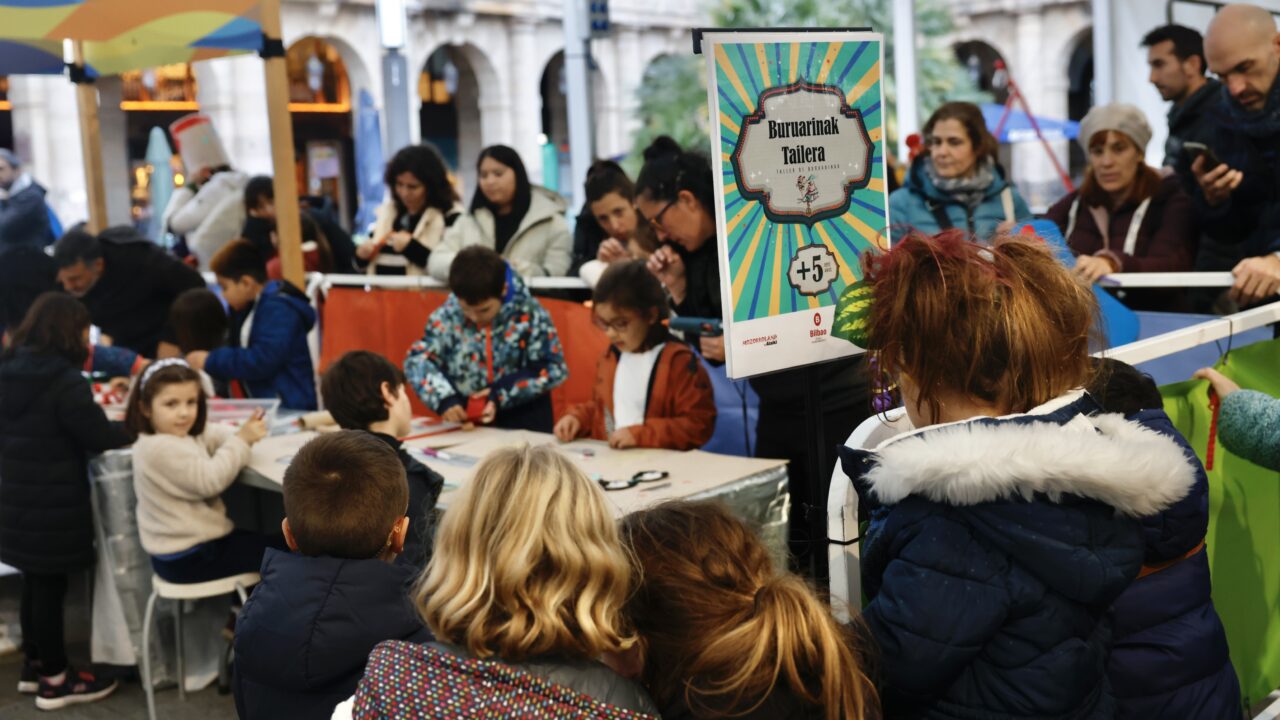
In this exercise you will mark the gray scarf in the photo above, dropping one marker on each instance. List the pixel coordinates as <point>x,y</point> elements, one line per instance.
<point>969,190</point>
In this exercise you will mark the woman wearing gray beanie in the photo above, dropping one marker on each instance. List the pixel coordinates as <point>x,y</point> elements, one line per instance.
<point>1126,217</point>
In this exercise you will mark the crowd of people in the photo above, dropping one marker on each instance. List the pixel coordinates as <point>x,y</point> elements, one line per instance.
<point>1034,543</point>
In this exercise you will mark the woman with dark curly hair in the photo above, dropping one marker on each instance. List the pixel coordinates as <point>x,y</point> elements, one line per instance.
<point>411,223</point>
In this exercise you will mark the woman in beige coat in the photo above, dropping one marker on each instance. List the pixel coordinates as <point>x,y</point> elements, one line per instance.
<point>523,223</point>
<point>411,224</point>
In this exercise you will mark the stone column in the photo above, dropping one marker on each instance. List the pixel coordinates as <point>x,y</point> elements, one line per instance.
<point>526,118</point>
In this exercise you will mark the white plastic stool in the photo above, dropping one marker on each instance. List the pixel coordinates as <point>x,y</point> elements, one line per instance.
<point>180,592</point>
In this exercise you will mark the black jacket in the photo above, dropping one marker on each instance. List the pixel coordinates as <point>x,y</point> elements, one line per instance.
<point>258,231</point>
<point>425,485</point>
<point>702,281</point>
<point>304,636</point>
<point>49,425</point>
<point>1251,144</point>
<point>1192,121</point>
<point>131,300</point>
<point>587,238</point>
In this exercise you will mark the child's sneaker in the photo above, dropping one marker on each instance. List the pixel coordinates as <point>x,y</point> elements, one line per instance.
<point>77,687</point>
<point>29,681</point>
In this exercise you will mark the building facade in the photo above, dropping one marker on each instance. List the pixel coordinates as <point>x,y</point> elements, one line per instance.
<point>495,67</point>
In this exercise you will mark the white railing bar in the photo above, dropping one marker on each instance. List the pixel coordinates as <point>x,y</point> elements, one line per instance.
<point>1178,340</point>
<point>424,282</point>
<point>1168,279</point>
<point>1272,711</point>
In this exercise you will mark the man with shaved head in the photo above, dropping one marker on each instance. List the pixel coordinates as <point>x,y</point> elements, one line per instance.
<point>1240,198</point>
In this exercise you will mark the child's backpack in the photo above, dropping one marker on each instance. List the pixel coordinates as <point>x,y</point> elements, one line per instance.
<point>409,681</point>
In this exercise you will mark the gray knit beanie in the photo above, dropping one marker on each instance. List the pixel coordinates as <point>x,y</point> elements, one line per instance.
<point>7,155</point>
<point>1121,117</point>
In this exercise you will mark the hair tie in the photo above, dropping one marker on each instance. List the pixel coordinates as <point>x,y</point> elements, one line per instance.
<point>159,365</point>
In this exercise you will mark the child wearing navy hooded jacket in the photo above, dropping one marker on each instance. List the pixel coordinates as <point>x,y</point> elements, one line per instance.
<point>268,355</point>
<point>1005,525</point>
<point>305,634</point>
<point>1169,655</point>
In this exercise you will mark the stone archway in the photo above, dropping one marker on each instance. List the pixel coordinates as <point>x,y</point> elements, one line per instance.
<point>450,87</point>
<point>555,117</point>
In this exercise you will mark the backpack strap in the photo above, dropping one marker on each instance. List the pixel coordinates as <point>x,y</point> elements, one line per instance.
<point>939,212</point>
<point>1131,237</point>
<point>1006,200</point>
<point>1071,218</point>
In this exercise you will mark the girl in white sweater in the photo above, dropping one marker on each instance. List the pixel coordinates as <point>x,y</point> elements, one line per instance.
<point>180,469</point>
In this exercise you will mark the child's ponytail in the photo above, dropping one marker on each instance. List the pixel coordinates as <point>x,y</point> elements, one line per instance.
<point>723,628</point>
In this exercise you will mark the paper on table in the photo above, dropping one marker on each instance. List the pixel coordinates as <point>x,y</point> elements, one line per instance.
<point>690,473</point>
<point>271,455</point>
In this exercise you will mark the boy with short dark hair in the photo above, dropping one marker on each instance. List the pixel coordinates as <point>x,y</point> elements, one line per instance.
<point>490,353</point>
<point>364,391</point>
<point>304,635</point>
<point>268,352</point>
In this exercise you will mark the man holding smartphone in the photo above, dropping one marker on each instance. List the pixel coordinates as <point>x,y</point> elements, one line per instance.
<point>1175,55</point>
<point>1239,199</point>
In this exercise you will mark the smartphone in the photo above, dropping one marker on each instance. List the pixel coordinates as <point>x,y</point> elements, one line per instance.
<point>475,407</point>
<point>1195,149</point>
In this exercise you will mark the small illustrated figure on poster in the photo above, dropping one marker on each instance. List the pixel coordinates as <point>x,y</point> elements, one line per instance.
<point>808,192</point>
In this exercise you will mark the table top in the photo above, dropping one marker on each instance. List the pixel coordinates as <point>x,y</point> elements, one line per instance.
<point>456,453</point>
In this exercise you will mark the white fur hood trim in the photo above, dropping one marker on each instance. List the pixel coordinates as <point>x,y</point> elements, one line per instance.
<point>1106,458</point>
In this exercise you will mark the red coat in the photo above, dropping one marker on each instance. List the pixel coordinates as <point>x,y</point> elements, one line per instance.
<point>680,409</point>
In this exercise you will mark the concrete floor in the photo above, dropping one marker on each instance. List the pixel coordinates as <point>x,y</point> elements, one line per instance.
<point>127,702</point>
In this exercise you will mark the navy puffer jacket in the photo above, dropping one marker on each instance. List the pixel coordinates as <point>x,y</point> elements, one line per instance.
<point>303,638</point>
<point>1169,657</point>
<point>995,549</point>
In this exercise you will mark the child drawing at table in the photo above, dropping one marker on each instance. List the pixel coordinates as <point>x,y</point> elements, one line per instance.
<point>650,389</point>
<point>180,468</point>
<point>365,392</point>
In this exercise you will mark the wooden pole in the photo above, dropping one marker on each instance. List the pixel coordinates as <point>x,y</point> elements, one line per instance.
<point>91,144</point>
<point>285,180</point>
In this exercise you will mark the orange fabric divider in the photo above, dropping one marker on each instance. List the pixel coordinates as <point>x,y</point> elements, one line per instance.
<point>389,321</point>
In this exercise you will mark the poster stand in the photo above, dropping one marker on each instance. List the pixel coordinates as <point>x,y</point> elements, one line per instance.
<point>797,141</point>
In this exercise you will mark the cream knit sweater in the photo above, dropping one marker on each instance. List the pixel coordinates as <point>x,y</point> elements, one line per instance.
<point>179,480</point>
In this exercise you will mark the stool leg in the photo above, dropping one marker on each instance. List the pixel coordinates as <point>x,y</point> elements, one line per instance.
<point>182,660</point>
<point>147,687</point>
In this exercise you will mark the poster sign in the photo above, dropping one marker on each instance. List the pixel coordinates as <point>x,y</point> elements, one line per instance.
<point>801,196</point>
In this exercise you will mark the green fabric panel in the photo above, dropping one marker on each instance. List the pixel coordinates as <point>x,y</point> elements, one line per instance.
<point>1244,523</point>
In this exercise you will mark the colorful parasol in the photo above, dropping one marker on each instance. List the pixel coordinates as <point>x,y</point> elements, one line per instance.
<point>110,36</point>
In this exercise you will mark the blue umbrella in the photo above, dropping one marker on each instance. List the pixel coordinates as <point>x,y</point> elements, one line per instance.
<point>1017,127</point>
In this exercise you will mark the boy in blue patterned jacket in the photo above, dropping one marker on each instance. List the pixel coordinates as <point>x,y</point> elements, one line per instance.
<point>491,343</point>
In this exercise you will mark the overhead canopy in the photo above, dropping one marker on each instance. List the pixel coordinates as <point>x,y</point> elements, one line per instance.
<point>1017,127</point>
<point>120,35</point>
<point>116,35</point>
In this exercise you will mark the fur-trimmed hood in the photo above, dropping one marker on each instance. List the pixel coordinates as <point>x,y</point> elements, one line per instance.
<point>1053,450</point>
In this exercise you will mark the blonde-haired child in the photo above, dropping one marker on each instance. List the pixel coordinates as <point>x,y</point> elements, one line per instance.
<point>525,592</point>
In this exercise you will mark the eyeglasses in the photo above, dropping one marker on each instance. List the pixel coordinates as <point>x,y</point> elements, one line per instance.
<point>656,220</point>
<point>644,476</point>
<point>619,326</point>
